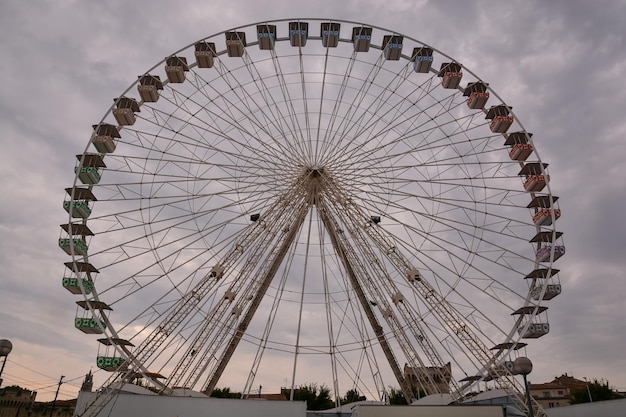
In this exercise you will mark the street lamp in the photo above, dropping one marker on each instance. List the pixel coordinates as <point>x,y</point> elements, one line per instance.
<point>5,348</point>
<point>524,366</point>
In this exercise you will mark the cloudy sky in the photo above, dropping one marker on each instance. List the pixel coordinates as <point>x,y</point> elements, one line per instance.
<point>558,63</point>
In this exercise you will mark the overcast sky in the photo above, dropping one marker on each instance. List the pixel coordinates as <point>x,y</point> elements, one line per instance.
<point>558,63</point>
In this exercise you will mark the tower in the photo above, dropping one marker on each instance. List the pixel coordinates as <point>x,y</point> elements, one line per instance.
<point>87,383</point>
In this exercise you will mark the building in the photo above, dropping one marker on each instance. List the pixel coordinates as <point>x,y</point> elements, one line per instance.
<point>20,402</point>
<point>60,408</point>
<point>556,393</point>
<point>420,378</point>
<point>550,394</point>
<point>16,401</point>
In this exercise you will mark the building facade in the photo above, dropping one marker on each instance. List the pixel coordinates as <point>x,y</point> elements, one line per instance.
<point>556,393</point>
<point>16,401</point>
<point>420,378</point>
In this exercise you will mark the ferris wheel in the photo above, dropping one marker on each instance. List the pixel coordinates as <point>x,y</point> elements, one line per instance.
<point>311,201</point>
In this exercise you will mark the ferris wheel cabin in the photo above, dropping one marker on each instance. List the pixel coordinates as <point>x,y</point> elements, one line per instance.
<point>536,327</point>
<point>546,240</point>
<point>88,170</point>
<point>266,35</point>
<point>477,95</point>
<point>536,179</point>
<point>543,210</point>
<point>520,148</point>
<point>450,74</point>
<point>175,68</point>
<point>422,59</point>
<point>235,44</point>
<point>204,53</point>
<point>361,38</point>
<point>298,33</point>
<point>86,322</point>
<point>148,88</point>
<point>107,360</point>
<point>392,47</point>
<point>552,289</point>
<point>500,119</point>
<point>103,137</point>
<point>124,111</point>
<point>79,207</point>
<point>330,34</point>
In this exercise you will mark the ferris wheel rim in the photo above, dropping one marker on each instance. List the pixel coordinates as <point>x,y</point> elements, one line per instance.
<point>75,256</point>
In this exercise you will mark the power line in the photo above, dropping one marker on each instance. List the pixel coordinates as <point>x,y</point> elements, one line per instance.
<point>48,384</point>
<point>20,379</point>
<point>32,370</point>
<point>53,385</point>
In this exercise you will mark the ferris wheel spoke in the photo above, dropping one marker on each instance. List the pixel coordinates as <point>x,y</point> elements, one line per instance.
<point>232,128</point>
<point>449,206</point>
<point>307,145</point>
<point>389,102</point>
<point>268,119</point>
<point>481,275</point>
<point>403,140</point>
<point>341,94</point>
<point>229,145</point>
<point>295,128</point>
<point>387,91</point>
<point>352,118</point>
<point>452,212</point>
<point>288,126</point>
<point>374,116</point>
<point>246,105</point>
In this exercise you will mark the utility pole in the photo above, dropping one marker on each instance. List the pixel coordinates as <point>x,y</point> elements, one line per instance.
<point>588,391</point>
<point>54,403</point>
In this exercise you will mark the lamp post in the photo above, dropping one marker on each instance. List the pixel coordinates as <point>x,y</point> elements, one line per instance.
<point>524,366</point>
<point>5,348</point>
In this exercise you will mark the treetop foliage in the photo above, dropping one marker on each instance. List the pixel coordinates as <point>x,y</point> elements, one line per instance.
<point>317,397</point>
<point>598,390</point>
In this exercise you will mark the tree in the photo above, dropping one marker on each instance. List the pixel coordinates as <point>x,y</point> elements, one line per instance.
<point>396,396</point>
<point>225,393</point>
<point>599,390</point>
<point>352,396</point>
<point>316,397</point>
